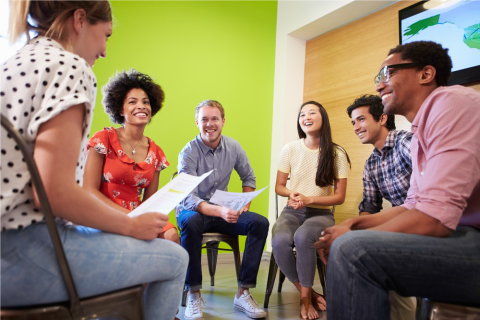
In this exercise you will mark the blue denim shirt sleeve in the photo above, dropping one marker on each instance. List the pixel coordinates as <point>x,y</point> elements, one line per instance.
<point>244,169</point>
<point>188,165</point>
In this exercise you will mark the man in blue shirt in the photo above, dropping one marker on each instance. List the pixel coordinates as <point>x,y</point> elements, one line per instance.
<point>211,150</point>
<point>386,174</point>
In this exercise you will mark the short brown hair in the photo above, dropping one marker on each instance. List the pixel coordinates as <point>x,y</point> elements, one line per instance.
<point>210,103</point>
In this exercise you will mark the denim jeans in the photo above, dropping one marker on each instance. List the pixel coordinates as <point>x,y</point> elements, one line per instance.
<point>194,224</point>
<point>300,229</point>
<point>364,265</point>
<point>99,261</point>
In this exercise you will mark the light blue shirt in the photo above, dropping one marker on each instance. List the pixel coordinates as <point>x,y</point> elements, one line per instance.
<point>196,158</point>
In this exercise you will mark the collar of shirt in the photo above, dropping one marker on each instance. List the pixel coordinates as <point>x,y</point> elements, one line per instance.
<point>389,143</point>
<point>421,116</point>
<point>48,42</point>
<point>205,148</point>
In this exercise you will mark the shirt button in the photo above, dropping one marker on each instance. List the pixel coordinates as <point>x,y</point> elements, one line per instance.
<point>421,173</point>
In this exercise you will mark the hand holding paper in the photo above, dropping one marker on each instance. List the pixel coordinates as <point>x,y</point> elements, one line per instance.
<point>165,199</point>
<point>233,200</point>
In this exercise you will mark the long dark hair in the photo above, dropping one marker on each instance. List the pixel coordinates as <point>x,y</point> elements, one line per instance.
<point>328,149</point>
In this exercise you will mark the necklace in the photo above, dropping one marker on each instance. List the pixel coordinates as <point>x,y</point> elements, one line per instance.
<point>133,149</point>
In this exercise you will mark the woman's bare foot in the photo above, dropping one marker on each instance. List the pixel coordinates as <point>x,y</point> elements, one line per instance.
<point>318,301</point>
<point>307,311</point>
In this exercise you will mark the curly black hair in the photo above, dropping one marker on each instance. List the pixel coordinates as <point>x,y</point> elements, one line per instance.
<point>427,53</point>
<point>375,107</point>
<point>115,91</point>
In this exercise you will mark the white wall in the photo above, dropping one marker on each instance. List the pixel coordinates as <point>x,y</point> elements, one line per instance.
<point>297,22</point>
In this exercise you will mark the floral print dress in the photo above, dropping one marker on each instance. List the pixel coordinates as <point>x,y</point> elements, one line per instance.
<point>123,180</point>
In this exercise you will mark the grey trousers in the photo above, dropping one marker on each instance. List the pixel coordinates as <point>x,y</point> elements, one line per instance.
<point>300,229</point>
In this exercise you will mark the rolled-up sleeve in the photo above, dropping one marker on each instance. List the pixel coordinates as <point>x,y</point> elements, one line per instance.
<point>187,165</point>
<point>444,153</point>
<point>244,169</point>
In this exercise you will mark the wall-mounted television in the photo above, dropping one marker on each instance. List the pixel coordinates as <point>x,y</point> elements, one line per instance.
<point>454,24</point>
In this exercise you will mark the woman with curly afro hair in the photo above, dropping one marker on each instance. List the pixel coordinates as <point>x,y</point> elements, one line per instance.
<point>126,164</point>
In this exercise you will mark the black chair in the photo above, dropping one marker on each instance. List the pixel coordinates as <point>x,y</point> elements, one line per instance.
<point>212,240</point>
<point>125,304</point>
<point>272,271</point>
<point>434,310</point>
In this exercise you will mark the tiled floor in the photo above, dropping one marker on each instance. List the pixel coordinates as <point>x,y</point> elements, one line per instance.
<point>219,299</point>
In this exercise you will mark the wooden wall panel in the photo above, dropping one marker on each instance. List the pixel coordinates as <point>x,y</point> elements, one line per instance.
<point>340,67</point>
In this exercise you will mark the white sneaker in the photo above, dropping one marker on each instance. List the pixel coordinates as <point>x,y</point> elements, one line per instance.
<point>247,304</point>
<point>194,308</point>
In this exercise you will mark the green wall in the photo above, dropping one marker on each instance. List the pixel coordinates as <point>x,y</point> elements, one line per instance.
<point>198,50</point>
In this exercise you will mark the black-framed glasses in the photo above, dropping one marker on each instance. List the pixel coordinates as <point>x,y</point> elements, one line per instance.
<point>384,73</point>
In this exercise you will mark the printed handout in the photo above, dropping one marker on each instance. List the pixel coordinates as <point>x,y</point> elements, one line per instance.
<point>233,200</point>
<point>165,199</point>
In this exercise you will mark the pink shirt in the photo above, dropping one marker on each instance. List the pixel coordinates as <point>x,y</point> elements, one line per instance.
<point>446,157</point>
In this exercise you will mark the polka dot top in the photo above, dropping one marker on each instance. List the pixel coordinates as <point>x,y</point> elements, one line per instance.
<point>301,163</point>
<point>37,84</point>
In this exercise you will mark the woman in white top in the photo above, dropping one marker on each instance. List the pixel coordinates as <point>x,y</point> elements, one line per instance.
<point>48,91</point>
<point>318,170</point>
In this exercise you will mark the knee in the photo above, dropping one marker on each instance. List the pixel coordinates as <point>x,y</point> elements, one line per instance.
<point>191,222</point>
<point>281,241</point>
<point>347,246</point>
<point>172,235</point>
<point>304,239</point>
<point>261,224</point>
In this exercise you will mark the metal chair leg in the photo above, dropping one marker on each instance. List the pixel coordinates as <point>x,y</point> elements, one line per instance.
<point>272,274</point>
<point>322,272</point>
<point>280,281</point>
<point>233,243</point>
<point>184,296</point>
<point>212,255</point>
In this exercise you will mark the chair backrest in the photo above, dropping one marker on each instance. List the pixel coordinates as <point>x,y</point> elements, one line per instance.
<point>75,307</point>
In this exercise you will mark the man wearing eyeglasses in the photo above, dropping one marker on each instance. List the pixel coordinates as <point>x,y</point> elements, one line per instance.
<point>386,174</point>
<point>430,245</point>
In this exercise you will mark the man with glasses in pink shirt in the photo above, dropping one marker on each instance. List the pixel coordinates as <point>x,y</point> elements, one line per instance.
<point>429,246</point>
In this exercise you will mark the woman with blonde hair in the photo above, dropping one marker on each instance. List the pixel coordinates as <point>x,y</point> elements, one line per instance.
<point>48,92</point>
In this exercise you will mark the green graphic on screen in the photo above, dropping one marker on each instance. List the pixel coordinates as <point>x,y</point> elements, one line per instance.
<point>455,25</point>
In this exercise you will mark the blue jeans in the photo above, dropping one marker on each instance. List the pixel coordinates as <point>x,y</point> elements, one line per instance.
<point>99,261</point>
<point>194,224</point>
<point>300,229</point>
<point>364,265</point>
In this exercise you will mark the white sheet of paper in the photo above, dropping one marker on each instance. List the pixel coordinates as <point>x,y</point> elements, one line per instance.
<point>233,200</point>
<point>165,199</point>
